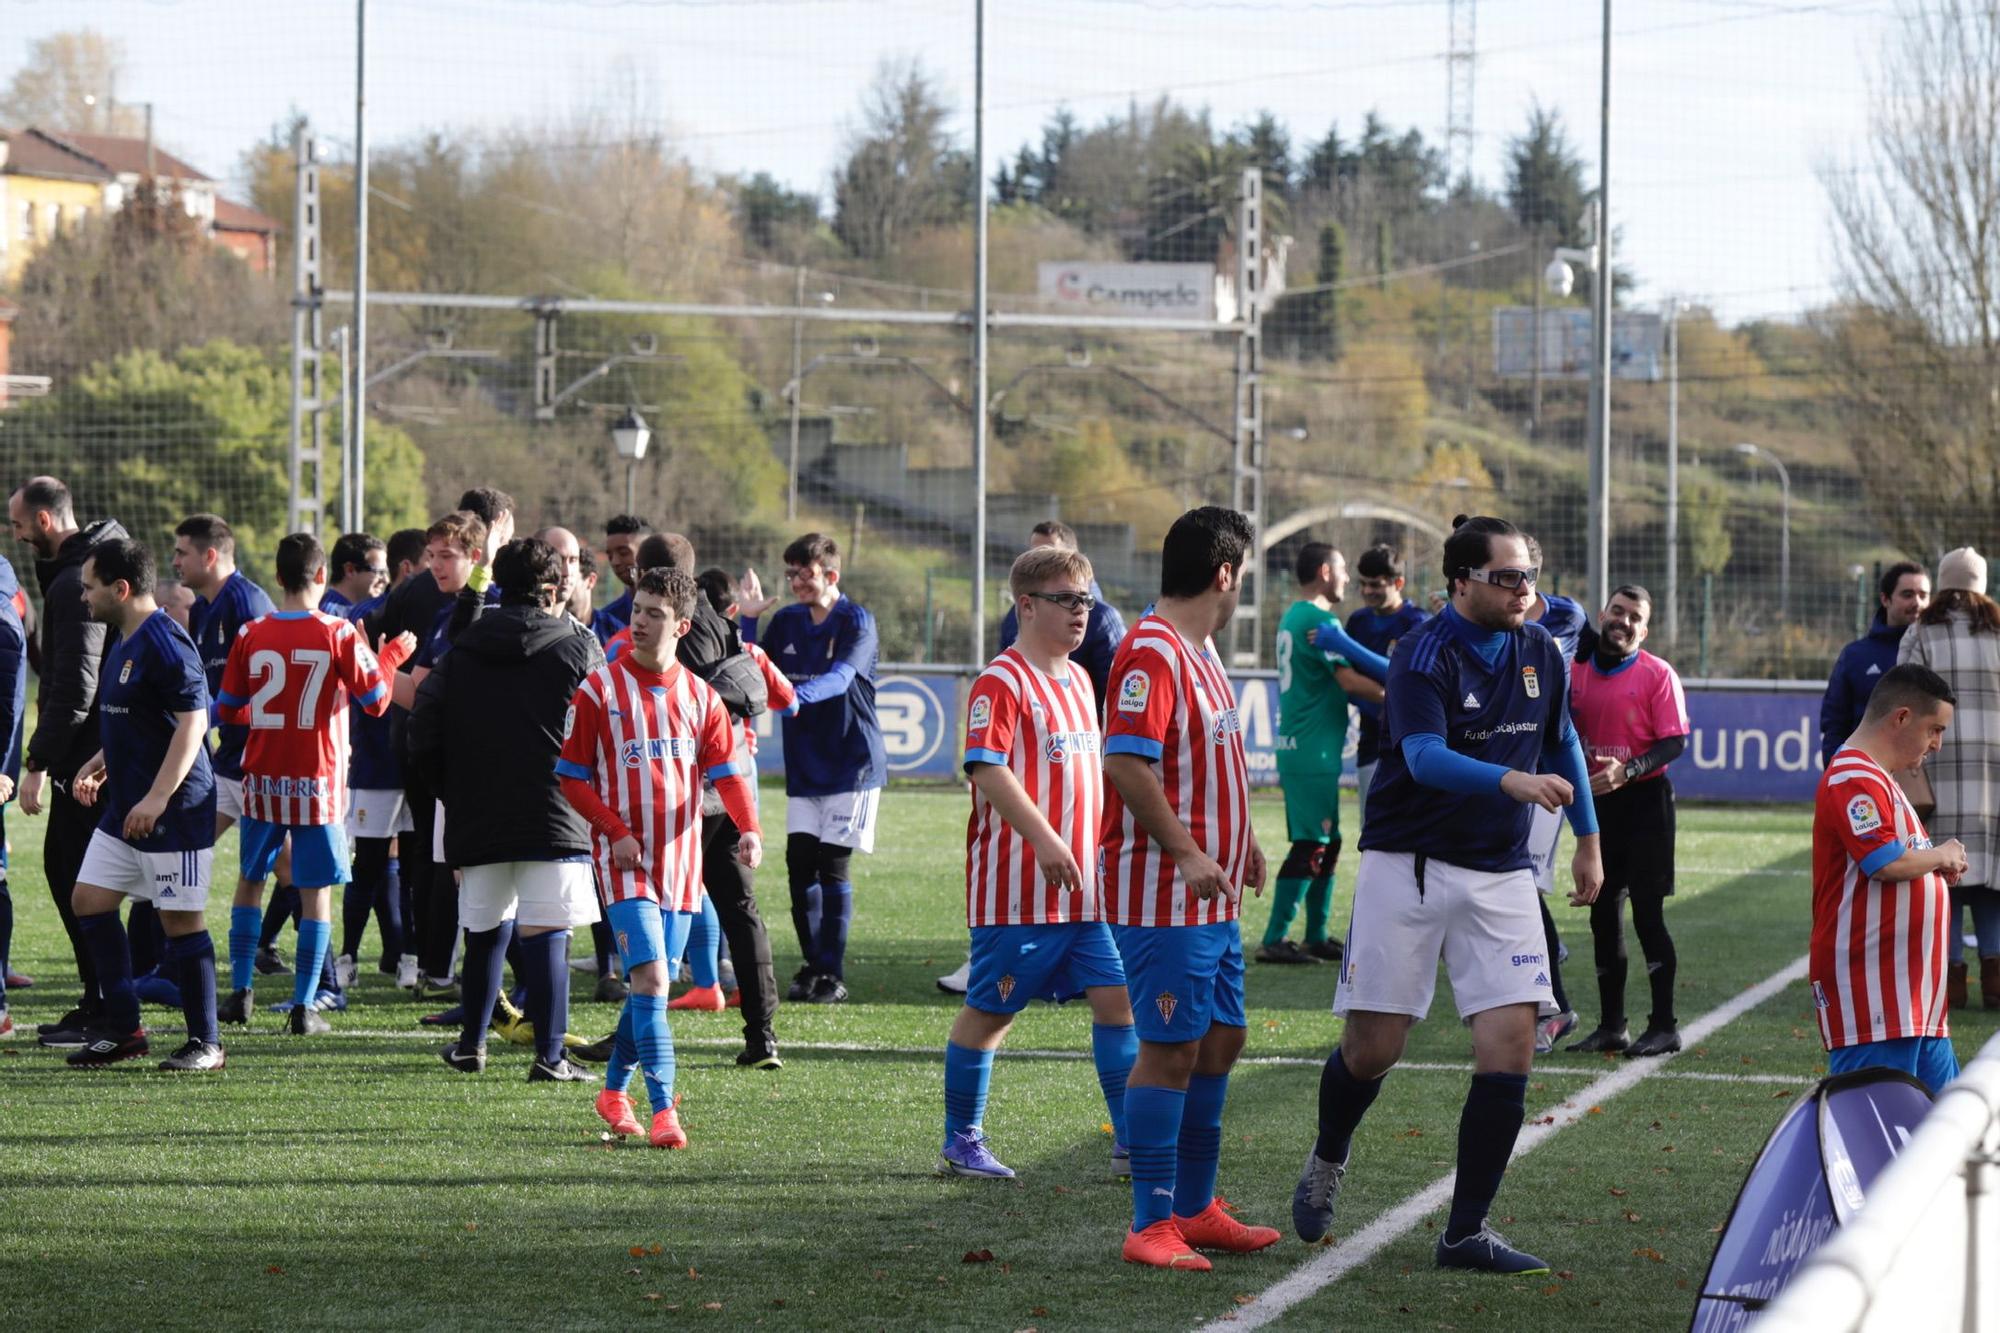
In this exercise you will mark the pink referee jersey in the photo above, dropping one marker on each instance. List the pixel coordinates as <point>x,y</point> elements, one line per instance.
<point>1877,961</point>
<point>1043,730</point>
<point>1620,713</point>
<point>1171,704</point>
<point>289,677</point>
<point>643,741</point>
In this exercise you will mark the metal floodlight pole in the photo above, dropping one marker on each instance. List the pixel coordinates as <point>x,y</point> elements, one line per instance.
<point>1673,588</point>
<point>798,352</point>
<point>359,457</point>
<point>1246,490</point>
<point>979,332</point>
<point>1599,545</point>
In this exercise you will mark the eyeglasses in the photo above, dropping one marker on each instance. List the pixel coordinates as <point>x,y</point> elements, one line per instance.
<point>1068,601</point>
<point>1510,579</point>
<point>799,575</point>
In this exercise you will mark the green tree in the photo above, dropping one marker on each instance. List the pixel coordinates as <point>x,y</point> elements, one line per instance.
<point>765,208</point>
<point>1545,186</point>
<point>904,172</point>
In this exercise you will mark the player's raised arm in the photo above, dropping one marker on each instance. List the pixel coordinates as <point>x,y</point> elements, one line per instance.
<point>856,646</point>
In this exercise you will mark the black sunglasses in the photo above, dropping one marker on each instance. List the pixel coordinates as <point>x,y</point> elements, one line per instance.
<point>1068,601</point>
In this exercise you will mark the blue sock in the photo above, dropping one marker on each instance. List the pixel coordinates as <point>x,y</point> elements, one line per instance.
<point>390,913</point>
<point>1153,1132</point>
<point>1487,1128</point>
<point>196,956</point>
<point>704,942</point>
<point>283,907</point>
<point>1343,1100</point>
<point>655,1041</point>
<point>485,953</point>
<point>104,935</point>
<point>1199,1148</point>
<point>1113,1049</point>
<point>544,966</point>
<point>836,913</point>
<point>813,900</point>
<point>624,1051</point>
<point>313,939</point>
<point>243,924</point>
<point>967,1073</point>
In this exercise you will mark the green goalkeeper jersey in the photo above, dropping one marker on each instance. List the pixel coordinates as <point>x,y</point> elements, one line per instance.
<point>1312,708</point>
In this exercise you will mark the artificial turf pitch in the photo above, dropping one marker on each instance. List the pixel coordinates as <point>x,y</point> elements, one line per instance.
<point>352,1180</point>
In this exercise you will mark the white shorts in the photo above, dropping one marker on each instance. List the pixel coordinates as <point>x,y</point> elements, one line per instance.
<point>377,813</point>
<point>1545,835</point>
<point>1486,926</point>
<point>556,894</point>
<point>437,837</point>
<point>229,799</point>
<point>846,820</point>
<point>1364,777</point>
<point>171,881</point>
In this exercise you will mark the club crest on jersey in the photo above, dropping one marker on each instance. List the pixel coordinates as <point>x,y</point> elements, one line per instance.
<point>1167,1004</point>
<point>1531,682</point>
<point>1057,749</point>
<point>1862,814</point>
<point>1133,691</point>
<point>125,672</point>
<point>1006,988</point>
<point>981,715</point>
<point>1226,721</point>
<point>569,721</point>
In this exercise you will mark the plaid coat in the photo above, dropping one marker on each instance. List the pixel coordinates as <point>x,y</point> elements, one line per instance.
<point>1966,772</point>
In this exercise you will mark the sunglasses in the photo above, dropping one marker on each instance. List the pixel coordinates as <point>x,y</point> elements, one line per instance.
<point>1510,579</point>
<point>1068,601</point>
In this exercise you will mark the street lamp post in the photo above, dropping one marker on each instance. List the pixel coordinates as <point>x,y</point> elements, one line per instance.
<point>1675,309</point>
<point>629,436</point>
<point>1784,524</point>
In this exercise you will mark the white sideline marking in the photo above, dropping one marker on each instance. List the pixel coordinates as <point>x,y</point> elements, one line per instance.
<point>1301,1061</point>
<point>1330,1265</point>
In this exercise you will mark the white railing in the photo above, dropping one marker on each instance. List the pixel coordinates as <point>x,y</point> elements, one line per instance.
<point>1923,1256</point>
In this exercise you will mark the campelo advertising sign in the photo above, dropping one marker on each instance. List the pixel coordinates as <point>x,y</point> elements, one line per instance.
<point>1134,291</point>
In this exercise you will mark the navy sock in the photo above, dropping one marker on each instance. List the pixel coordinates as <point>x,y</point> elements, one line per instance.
<point>243,947</point>
<point>1198,1151</point>
<point>543,963</point>
<point>314,936</point>
<point>1343,1100</point>
<point>485,953</point>
<point>600,942</point>
<point>813,900</point>
<point>392,912</point>
<point>655,1041</point>
<point>283,907</point>
<point>1487,1128</point>
<point>1113,1049</point>
<point>104,935</point>
<point>836,913</point>
<point>329,976</point>
<point>195,955</point>
<point>6,929</point>
<point>1153,1132</point>
<point>145,938</point>
<point>356,901</point>
<point>967,1074</point>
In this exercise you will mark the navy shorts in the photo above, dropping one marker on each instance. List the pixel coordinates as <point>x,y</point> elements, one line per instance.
<point>1012,965</point>
<point>1182,978</point>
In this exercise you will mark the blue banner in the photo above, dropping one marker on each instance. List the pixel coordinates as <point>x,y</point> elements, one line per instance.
<point>1746,746</point>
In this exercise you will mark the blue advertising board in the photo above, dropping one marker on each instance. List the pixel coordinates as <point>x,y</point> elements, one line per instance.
<point>1759,746</point>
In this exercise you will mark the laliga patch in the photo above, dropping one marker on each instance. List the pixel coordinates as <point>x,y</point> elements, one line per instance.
<point>981,715</point>
<point>125,672</point>
<point>1134,691</point>
<point>1862,815</point>
<point>1531,682</point>
<point>1167,1004</point>
<point>569,720</point>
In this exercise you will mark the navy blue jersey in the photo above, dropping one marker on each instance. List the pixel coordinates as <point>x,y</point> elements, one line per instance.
<point>148,679</point>
<point>613,616</point>
<point>1564,620</point>
<point>834,743</point>
<point>1378,633</point>
<point>372,764</point>
<point>334,603</point>
<point>215,625</point>
<point>1504,714</point>
<point>436,642</point>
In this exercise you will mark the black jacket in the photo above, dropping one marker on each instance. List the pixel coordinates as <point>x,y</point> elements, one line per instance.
<point>713,650</point>
<point>73,649</point>
<point>487,729</point>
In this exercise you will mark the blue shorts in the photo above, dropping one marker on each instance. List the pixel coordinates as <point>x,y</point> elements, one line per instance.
<point>1929,1060</point>
<point>645,934</point>
<point>1012,965</point>
<point>1183,978</point>
<point>319,852</point>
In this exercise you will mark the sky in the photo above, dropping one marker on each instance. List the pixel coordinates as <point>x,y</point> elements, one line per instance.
<point>1724,113</point>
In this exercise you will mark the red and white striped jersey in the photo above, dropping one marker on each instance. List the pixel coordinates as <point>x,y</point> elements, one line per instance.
<point>1878,952</point>
<point>1172,704</point>
<point>779,691</point>
<point>1043,730</point>
<point>643,740</point>
<point>289,677</point>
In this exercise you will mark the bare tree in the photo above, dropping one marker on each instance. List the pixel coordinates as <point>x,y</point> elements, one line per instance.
<point>1915,338</point>
<point>70,82</point>
<point>904,172</point>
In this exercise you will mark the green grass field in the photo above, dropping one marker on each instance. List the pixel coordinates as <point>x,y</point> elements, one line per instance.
<point>352,1180</point>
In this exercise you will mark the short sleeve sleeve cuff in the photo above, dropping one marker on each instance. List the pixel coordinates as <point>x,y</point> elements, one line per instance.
<point>1145,747</point>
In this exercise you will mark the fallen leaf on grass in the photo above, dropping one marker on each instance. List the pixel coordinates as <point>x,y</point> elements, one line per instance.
<point>1062,1189</point>
<point>777,1302</point>
<point>637,1251</point>
<point>1781,1092</point>
<point>1243,1298</point>
<point>1565,1274</point>
<point>472,1226</point>
<point>1647,1252</point>
<point>1551,1289</point>
<point>712,1305</point>
<point>1413,1133</point>
<point>1631,1216</point>
<point>1618,1193</point>
<point>275,1270</point>
<point>977,1257</point>
<point>1596,1110</point>
<point>654,1296</point>
<point>692,1275</point>
<point>1105,1128</point>
<point>1040,1312</point>
<point>633,1272</point>
<point>654,1248</point>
